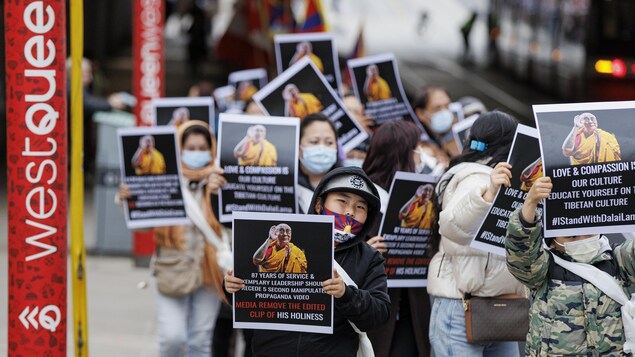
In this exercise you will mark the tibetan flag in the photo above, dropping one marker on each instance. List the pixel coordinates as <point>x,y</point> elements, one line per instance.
<point>280,18</point>
<point>314,21</point>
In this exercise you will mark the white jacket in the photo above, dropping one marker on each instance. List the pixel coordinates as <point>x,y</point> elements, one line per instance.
<point>457,268</point>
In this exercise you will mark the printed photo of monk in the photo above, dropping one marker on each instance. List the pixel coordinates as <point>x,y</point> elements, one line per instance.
<point>255,150</point>
<point>299,104</point>
<point>375,87</point>
<point>530,174</point>
<point>306,49</point>
<point>147,160</point>
<point>246,90</point>
<point>278,255</point>
<point>588,144</point>
<point>418,211</point>
<point>179,116</point>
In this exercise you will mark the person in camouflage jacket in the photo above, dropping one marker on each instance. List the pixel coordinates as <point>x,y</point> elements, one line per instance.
<point>569,316</point>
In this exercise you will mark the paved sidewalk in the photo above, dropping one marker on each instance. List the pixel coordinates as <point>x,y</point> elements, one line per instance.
<point>121,316</point>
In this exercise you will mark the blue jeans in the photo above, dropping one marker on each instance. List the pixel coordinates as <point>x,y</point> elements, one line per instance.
<point>186,323</point>
<point>448,337</point>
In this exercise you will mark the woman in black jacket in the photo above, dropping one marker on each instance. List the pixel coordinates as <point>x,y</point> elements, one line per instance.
<point>346,192</point>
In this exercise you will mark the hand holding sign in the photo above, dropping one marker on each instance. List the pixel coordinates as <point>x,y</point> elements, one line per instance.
<point>124,191</point>
<point>216,180</point>
<point>377,242</point>
<point>232,283</point>
<point>334,286</point>
<point>501,175</point>
<point>539,191</point>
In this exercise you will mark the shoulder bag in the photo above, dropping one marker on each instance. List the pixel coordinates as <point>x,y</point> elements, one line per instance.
<point>177,273</point>
<point>496,319</point>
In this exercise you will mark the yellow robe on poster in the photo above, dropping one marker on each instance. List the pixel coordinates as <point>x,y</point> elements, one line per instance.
<point>259,155</point>
<point>378,90</point>
<point>419,217</point>
<point>587,150</point>
<point>291,260</point>
<point>150,164</point>
<point>308,105</point>
<point>535,175</point>
<point>315,59</point>
<point>247,93</point>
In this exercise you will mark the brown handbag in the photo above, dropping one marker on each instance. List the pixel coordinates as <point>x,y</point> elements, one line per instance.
<point>496,319</point>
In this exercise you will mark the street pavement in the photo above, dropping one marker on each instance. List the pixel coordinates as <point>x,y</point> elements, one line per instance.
<point>121,314</point>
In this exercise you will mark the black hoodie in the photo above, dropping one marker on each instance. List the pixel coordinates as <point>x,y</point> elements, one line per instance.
<point>368,306</point>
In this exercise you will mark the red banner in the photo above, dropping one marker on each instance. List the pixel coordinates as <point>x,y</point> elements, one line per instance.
<point>147,82</point>
<point>37,176</point>
<point>147,47</point>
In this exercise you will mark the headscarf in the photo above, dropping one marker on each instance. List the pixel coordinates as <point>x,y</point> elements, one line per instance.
<point>172,236</point>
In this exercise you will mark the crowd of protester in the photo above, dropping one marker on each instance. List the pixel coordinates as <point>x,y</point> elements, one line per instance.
<point>399,321</point>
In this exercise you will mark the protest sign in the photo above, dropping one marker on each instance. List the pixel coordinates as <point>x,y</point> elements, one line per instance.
<point>461,130</point>
<point>524,157</point>
<point>283,260</point>
<point>406,228</point>
<point>260,157</point>
<point>150,166</point>
<point>457,109</point>
<point>226,100</point>
<point>177,110</point>
<point>246,83</point>
<point>589,153</point>
<point>377,84</point>
<point>302,90</point>
<point>319,47</point>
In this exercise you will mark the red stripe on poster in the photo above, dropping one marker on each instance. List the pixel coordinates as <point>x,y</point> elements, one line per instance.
<point>37,176</point>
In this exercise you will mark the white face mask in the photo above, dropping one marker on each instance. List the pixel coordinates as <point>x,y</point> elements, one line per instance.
<point>582,251</point>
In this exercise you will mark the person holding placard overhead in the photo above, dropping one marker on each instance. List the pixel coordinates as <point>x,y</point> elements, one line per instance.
<point>571,315</point>
<point>358,284</point>
<point>190,260</point>
<point>465,193</point>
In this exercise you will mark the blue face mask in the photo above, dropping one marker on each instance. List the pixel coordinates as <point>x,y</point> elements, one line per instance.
<point>353,163</point>
<point>318,159</point>
<point>196,159</point>
<point>441,121</point>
